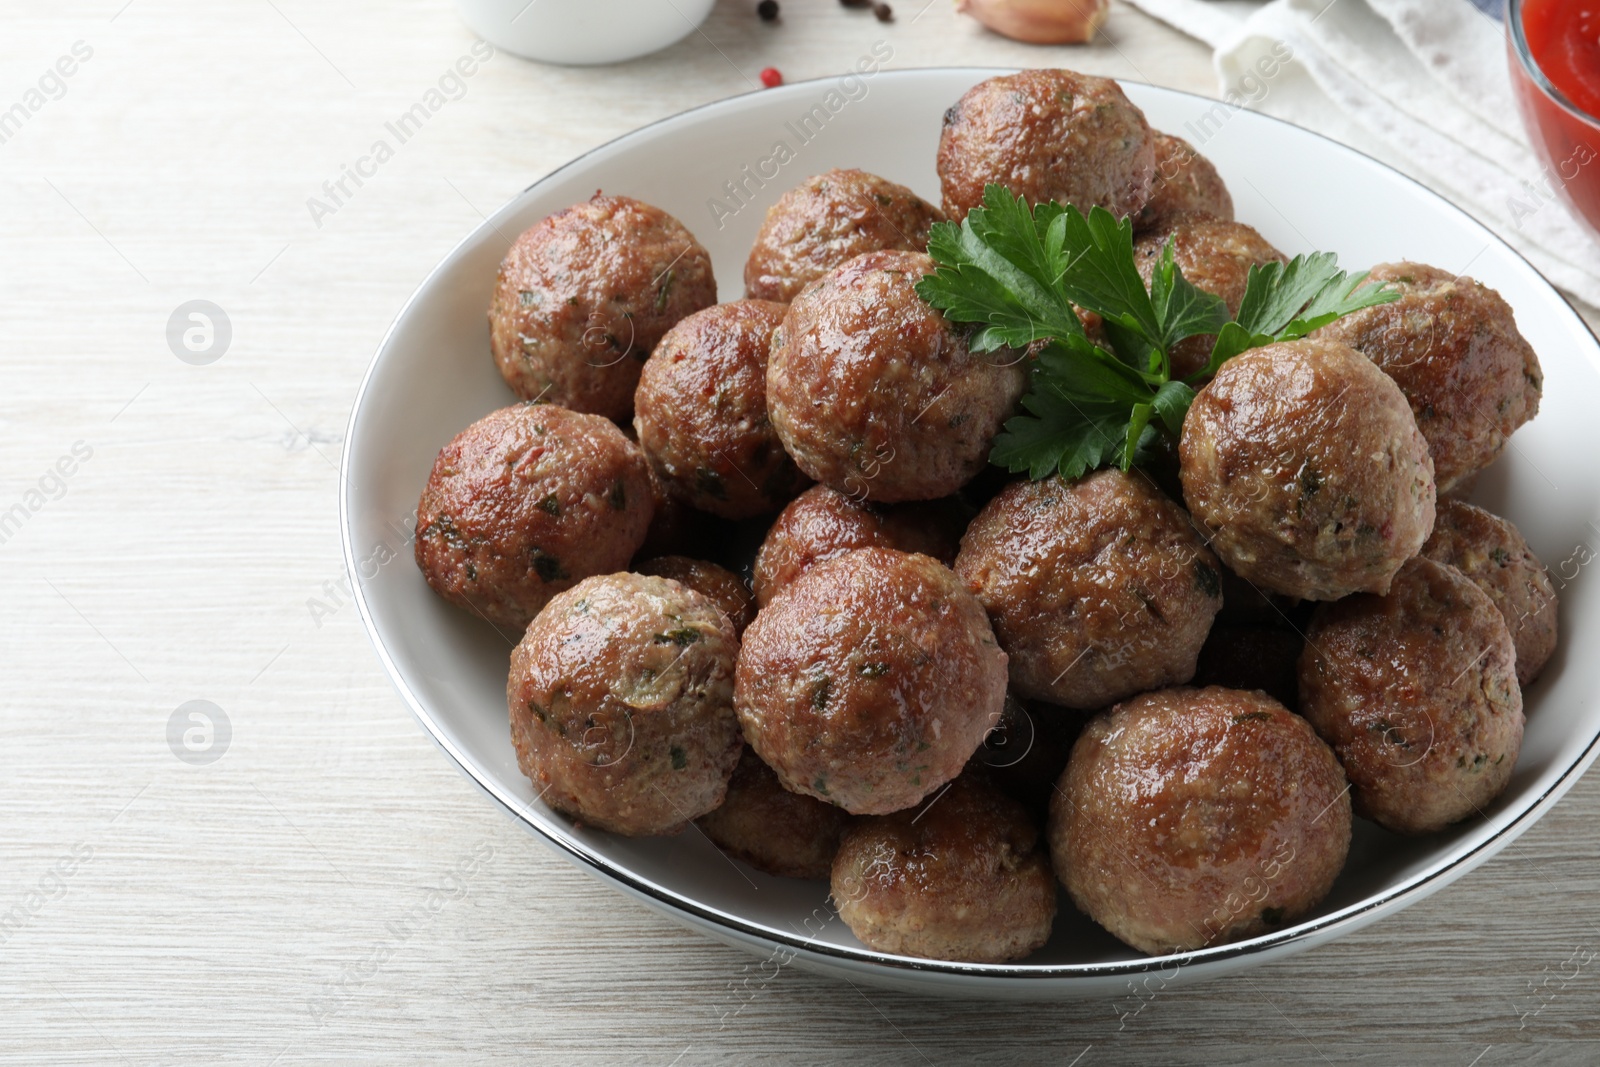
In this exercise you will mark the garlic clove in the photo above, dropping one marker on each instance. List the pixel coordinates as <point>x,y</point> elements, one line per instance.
<point>1040,21</point>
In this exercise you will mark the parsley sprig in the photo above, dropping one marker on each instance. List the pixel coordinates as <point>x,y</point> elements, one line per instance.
<point>1020,274</point>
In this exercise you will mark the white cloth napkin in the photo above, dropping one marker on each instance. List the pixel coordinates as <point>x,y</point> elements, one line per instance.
<point>1421,84</point>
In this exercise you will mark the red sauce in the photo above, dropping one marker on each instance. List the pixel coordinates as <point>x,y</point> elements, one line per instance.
<point>1564,37</point>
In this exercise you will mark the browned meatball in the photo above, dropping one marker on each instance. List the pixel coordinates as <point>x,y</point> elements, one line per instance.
<point>1216,256</point>
<point>1302,462</point>
<point>1453,346</point>
<point>1252,657</point>
<point>1194,817</point>
<point>620,696</point>
<point>1098,588</point>
<point>875,394</point>
<point>584,295</point>
<point>822,523</point>
<point>964,877</point>
<point>828,219</point>
<point>524,503</point>
<point>772,829</point>
<point>701,412</point>
<point>870,680</point>
<point>1417,693</point>
<point>1185,181</point>
<point>1491,552</point>
<point>1047,135</point>
<point>717,584</point>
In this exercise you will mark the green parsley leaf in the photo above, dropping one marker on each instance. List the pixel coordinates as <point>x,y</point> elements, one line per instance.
<point>1171,404</point>
<point>996,270</point>
<point>1283,302</point>
<point>1183,310</point>
<point>1101,274</point>
<point>1022,276</point>
<point>1077,412</point>
<point>1138,423</point>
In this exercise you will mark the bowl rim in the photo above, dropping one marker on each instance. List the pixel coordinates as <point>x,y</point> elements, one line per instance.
<point>1518,37</point>
<point>1304,934</point>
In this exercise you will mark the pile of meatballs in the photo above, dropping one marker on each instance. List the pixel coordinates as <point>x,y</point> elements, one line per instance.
<point>946,689</point>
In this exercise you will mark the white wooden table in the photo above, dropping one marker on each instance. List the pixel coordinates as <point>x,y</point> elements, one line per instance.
<point>293,901</point>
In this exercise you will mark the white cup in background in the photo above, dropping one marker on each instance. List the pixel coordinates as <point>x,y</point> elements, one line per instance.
<point>583,31</point>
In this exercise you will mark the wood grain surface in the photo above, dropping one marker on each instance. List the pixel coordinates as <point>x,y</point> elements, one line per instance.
<point>330,889</point>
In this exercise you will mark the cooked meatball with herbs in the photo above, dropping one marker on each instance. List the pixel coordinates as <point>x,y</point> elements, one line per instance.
<point>1098,588</point>
<point>1047,135</point>
<point>1216,256</point>
<point>823,523</point>
<point>1253,657</point>
<point>717,584</point>
<point>1303,464</point>
<point>875,394</point>
<point>524,503</point>
<point>963,877</point>
<point>827,220</point>
<point>870,680</point>
<point>621,701</point>
<point>773,830</point>
<point>584,295</point>
<point>1189,818</point>
<point>1417,693</point>
<point>1185,181</point>
<point>701,413</point>
<point>1491,552</point>
<point>1453,346</point>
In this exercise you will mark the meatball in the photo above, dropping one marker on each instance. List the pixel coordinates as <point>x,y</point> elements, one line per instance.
<point>1491,552</point>
<point>874,393</point>
<point>1188,818</point>
<point>772,829</point>
<point>1216,256</point>
<point>1453,346</point>
<point>524,503</point>
<point>822,523</point>
<point>828,219</point>
<point>1185,181</point>
<point>963,878</point>
<point>1417,693</point>
<point>1307,470</point>
<point>717,584</point>
<point>870,680</point>
<point>1098,588</point>
<point>1047,135</point>
<point>1252,657</point>
<point>583,296</point>
<point>620,696</point>
<point>701,412</point>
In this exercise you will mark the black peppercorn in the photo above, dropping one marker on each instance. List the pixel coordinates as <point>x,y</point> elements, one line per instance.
<point>884,12</point>
<point>768,10</point>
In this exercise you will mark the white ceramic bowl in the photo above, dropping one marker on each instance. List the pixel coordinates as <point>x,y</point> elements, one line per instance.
<point>432,375</point>
<point>583,32</point>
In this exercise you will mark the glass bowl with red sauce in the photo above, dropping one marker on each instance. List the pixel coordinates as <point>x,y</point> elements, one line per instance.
<point>1555,72</point>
